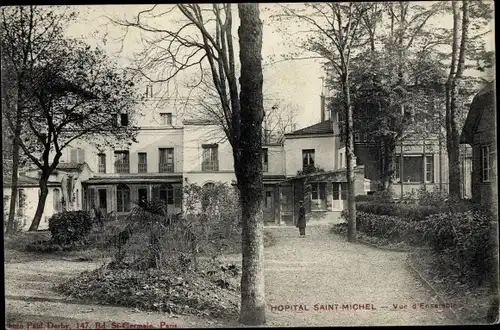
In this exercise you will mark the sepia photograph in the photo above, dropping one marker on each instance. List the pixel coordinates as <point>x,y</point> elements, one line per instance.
<point>196,165</point>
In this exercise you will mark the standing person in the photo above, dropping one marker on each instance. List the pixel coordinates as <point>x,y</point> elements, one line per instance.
<point>98,215</point>
<point>301,222</point>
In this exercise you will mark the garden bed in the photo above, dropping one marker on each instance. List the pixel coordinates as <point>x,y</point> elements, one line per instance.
<point>472,302</point>
<point>211,291</point>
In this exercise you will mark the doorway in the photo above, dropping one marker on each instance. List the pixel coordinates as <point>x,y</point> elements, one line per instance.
<point>268,207</point>
<point>102,201</point>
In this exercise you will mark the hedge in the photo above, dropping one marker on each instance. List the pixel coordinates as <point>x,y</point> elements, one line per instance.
<point>462,240</point>
<point>408,212</point>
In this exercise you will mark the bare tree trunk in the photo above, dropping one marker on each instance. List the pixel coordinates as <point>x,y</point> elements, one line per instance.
<point>388,169</point>
<point>44,191</point>
<point>15,170</point>
<point>351,192</point>
<point>452,130</point>
<point>249,166</point>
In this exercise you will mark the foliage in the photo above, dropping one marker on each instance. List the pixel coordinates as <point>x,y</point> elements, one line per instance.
<point>409,212</point>
<point>70,227</point>
<point>209,217</point>
<point>66,89</point>
<point>464,242</point>
<point>211,291</point>
<point>385,196</point>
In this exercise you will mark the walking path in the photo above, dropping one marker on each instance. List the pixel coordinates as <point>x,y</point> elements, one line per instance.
<point>320,269</point>
<point>324,269</point>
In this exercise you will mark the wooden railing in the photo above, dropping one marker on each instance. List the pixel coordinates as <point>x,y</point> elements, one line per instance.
<point>122,168</point>
<point>142,168</point>
<point>165,167</point>
<point>210,166</point>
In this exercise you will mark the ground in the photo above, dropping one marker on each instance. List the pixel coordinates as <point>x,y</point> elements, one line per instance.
<point>319,269</point>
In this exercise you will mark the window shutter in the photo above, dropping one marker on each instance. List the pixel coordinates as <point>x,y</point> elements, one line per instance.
<point>156,192</point>
<point>81,155</point>
<point>74,155</point>
<point>178,196</point>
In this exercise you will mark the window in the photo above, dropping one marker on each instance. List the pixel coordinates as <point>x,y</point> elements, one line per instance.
<point>122,198</point>
<point>210,157</point>
<point>77,155</point>
<point>209,185</point>
<point>429,169</point>
<point>142,166</point>
<point>122,164</point>
<point>167,193</point>
<point>149,90</point>
<point>339,191</point>
<point>485,163</point>
<point>307,158</point>
<point>166,160</point>
<point>413,169</point>
<point>142,193</point>
<point>91,198</point>
<point>318,191</point>
<point>21,200</point>
<point>57,200</point>
<point>397,169</point>
<point>341,160</point>
<point>268,199</point>
<point>265,160</point>
<point>124,119</point>
<point>166,118</point>
<point>77,198</point>
<point>101,162</point>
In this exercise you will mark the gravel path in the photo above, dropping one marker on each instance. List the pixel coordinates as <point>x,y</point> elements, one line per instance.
<point>324,269</point>
<point>321,269</point>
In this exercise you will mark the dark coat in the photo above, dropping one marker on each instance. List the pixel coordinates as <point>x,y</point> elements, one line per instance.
<point>301,221</point>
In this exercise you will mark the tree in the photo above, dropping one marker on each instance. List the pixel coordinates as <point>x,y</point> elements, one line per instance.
<point>333,32</point>
<point>279,115</point>
<point>202,38</point>
<point>279,119</point>
<point>26,34</point>
<point>465,47</point>
<point>67,92</point>
<point>249,171</point>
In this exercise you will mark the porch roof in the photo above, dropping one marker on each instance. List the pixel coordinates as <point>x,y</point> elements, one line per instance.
<point>324,127</point>
<point>331,176</point>
<point>134,180</point>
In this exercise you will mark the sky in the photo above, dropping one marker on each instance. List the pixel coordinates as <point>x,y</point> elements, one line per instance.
<point>297,83</point>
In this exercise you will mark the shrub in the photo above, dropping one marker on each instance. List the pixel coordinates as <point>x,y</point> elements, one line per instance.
<point>70,227</point>
<point>378,196</point>
<point>463,240</point>
<point>408,212</point>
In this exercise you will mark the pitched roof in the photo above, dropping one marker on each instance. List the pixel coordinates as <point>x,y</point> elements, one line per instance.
<point>25,181</point>
<point>70,166</point>
<point>482,99</point>
<point>325,127</point>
